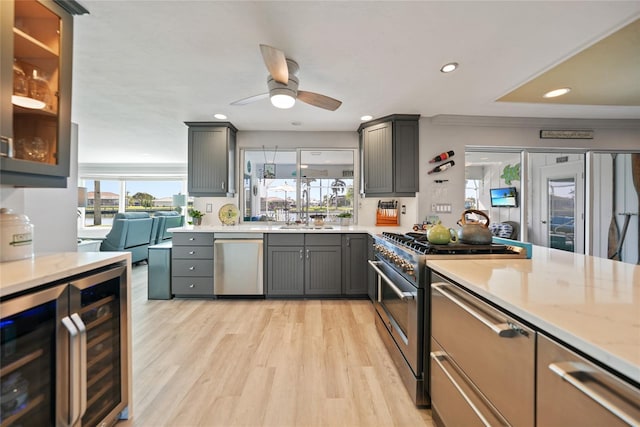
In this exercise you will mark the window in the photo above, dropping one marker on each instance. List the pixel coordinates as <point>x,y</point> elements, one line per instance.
<point>290,186</point>
<point>127,196</point>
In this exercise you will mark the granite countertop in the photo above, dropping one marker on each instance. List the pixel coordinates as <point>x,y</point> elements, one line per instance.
<point>20,275</point>
<point>590,303</point>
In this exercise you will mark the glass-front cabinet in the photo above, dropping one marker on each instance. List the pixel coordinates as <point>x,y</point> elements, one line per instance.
<point>36,93</point>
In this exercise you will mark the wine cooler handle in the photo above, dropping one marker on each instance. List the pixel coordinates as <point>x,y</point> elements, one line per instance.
<point>82,366</point>
<point>74,359</point>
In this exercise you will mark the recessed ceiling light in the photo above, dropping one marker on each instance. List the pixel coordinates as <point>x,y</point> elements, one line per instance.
<point>365,118</point>
<point>447,68</point>
<point>557,92</point>
<point>220,116</point>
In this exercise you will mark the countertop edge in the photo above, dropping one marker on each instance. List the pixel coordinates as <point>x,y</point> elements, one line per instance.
<point>21,275</point>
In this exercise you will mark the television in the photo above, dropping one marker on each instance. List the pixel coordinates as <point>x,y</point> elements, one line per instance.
<point>506,197</point>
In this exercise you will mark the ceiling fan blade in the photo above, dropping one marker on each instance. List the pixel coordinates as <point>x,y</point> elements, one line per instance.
<point>276,63</point>
<point>250,99</point>
<point>318,100</point>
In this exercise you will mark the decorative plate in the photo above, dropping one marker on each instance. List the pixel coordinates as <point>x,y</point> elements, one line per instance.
<point>228,214</point>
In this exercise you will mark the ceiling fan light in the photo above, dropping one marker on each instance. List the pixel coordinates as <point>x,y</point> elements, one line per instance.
<point>282,101</point>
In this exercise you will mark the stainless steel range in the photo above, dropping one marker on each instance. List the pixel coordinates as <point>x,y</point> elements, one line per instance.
<point>403,305</point>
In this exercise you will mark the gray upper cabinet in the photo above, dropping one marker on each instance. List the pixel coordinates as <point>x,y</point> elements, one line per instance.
<point>211,156</point>
<point>389,155</point>
<point>35,105</point>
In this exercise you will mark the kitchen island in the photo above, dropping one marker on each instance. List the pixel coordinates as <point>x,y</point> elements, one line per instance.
<point>558,333</point>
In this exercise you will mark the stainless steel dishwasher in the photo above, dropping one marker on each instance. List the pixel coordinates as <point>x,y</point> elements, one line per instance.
<point>238,264</point>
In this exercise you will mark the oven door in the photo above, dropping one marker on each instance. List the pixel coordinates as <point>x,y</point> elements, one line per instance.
<point>399,306</point>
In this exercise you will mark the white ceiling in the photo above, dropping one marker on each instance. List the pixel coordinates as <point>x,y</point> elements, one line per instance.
<point>142,68</point>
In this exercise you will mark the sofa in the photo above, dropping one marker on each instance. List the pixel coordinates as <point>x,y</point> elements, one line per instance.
<point>131,232</point>
<point>505,229</point>
<point>167,220</point>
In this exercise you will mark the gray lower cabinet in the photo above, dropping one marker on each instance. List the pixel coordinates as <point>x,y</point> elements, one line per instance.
<point>573,391</point>
<point>354,264</point>
<point>304,264</point>
<point>192,264</point>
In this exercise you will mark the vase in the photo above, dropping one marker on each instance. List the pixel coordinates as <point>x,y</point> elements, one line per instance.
<point>197,221</point>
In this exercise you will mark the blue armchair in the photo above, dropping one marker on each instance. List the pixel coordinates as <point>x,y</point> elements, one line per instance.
<point>167,220</point>
<point>131,232</point>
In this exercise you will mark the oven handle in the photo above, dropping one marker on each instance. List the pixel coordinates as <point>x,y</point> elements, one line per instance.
<point>402,295</point>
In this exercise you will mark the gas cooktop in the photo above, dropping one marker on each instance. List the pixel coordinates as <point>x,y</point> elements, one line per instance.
<point>419,243</point>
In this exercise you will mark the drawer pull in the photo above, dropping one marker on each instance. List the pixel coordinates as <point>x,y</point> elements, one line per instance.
<point>566,371</point>
<point>192,268</point>
<point>192,252</point>
<point>436,356</point>
<point>192,239</point>
<point>503,329</point>
<point>192,286</point>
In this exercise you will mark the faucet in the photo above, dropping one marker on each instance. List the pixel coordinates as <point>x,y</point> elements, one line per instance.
<point>305,198</point>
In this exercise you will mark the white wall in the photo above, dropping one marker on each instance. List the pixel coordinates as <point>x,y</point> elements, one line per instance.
<point>443,133</point>
<point>52,211</point>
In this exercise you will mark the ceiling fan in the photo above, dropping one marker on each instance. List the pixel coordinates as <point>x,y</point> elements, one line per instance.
<point>283,84</point>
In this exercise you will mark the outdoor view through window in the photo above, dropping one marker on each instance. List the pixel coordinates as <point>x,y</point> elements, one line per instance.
<point>293,186</point>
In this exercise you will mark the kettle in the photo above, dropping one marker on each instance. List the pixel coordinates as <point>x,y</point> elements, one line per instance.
<point>438,234</point>
<point>474,233</point>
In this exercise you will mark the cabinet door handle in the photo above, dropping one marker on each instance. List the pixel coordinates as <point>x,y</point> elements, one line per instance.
<point>436,356</point>
<point>566,371</point>
<point>222,185</point>
<point>348,241</point>
<point>307,253</point>
<point>9,142</point>
<point>83,361</point>
<point>74,363</point>
<point>301,254</point>
<point>502,329</point>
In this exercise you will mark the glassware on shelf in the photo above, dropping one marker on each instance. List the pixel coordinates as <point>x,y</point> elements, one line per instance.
<point>20,86</point>
<point>39,87</point>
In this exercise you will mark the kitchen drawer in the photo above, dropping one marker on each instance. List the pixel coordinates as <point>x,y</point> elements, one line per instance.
<point>495,351</point>
<point>285,239</point>
<point>192,239</point>
<point>192,267</point>
<point>329,239</point>
<point>192,286</point>
<point>454,399</point>
<point>192,252</point>
<point>572,391</point>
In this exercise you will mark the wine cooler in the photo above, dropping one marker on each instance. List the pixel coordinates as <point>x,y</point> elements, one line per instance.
<point>63,353</point>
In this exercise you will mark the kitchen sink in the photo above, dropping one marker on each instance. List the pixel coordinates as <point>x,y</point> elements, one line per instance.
<point>305,227</point>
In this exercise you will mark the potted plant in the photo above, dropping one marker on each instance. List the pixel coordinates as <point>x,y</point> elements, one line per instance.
<point>196,216</point>
<point>345,218</point>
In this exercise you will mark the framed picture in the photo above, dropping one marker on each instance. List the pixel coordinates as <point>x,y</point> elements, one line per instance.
<point>269,170</point>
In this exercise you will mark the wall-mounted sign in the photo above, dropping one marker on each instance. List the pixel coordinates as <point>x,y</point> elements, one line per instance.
<point>566,134</point>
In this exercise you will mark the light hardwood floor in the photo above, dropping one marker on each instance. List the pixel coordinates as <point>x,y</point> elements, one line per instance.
<point>262,363</point>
